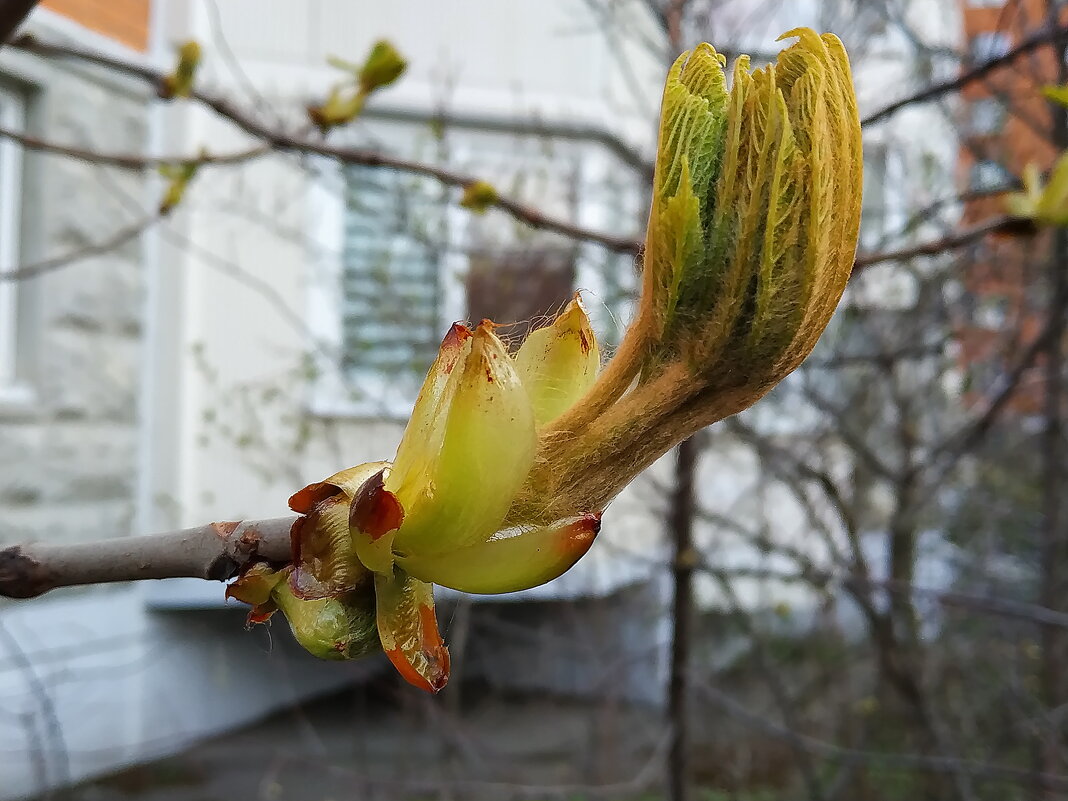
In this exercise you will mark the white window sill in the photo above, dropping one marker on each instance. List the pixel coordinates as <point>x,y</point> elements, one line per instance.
<point>343,406</point>
<point>17,400</point>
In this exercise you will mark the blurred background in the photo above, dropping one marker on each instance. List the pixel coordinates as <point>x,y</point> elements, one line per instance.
<point>858,589</point>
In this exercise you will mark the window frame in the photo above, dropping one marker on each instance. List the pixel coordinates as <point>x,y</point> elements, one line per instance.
<point>999,115</point>
<point>875,199</point>
<point>13,389</point>
<point>330,390</point>
<point>980,172</point>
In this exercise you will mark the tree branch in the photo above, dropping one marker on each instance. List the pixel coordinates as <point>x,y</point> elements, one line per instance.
<point>216,551</point>
<point>285,141</point>
<point>130,161</point>
<point>280,140</point>
<point>117,239</point>
<point>1003,224</point>
<point>1043,36</point>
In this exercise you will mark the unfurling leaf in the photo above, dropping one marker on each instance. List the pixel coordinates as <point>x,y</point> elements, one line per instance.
<point>345,102</point>
<point>507,462</point>
<point>1045,204</point>
<point>180,82</point>
<point>178,178</point>
<point>382,67</point>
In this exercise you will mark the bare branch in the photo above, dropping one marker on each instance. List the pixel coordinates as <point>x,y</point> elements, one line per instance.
<point>216,551</point>
<point>281,140</point>
<point>130,161</point>
<point>965,439</point>
<point>285,141</point>
<point>116,240</point>
<point>1040,38</point>
<point>1003,225</point>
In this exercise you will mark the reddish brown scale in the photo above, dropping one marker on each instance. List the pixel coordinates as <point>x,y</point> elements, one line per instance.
<point>434,647</point>
<point>374,509</point>
<point>581,534</point>
<point>259,614</point>
<point>303,501</point>
<point>321,559</point>
<point>457,336</point>
<point>295,535</point>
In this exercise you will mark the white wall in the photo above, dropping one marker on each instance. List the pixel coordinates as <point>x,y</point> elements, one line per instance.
<point>90,682</point>
<point>237,277</point>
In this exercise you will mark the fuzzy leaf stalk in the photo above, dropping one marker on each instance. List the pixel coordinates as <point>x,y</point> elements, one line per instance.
<point>508,460</point>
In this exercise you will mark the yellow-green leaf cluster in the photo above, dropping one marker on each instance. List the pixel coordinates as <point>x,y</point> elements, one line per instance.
<point>508,460</point>
<point>478,196</point>
<point>1058,94</point>
<point>383,65</point>
<point>1043,203</point>
<point>178,178</point>
<point>180,82</point>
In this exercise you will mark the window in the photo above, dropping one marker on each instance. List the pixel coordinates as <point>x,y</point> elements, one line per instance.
<point>988,46</point>
<point>390,276</point>
<point>393,259</point>
<point>873,208</point>
<point>986,116</point>
<point>518,288</point>
<point>988,174</point>
<point>991,312</point>
<point>11,117</point>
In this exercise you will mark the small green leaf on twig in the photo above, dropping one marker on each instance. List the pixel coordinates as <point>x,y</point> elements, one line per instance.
<point>178,177</point>
<point>382,67</point>
<point>180,82</point>
<point>1043,203</point>
<point>1058,94</point>
<point>478,196</point>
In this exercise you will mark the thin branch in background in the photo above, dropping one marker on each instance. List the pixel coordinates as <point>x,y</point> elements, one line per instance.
<point>1041,38</point>
<point>104,246</point>
<point>131,161</point>
<point>1003,224</point>
<point>963,441</point>
<point>1053,542</point>
<point>285,141</point>
<point>45,703</point>
<point>680,527</point>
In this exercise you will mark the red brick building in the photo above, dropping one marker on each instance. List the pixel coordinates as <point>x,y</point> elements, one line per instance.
<point>1006,123</point>
<point>125,21</point>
